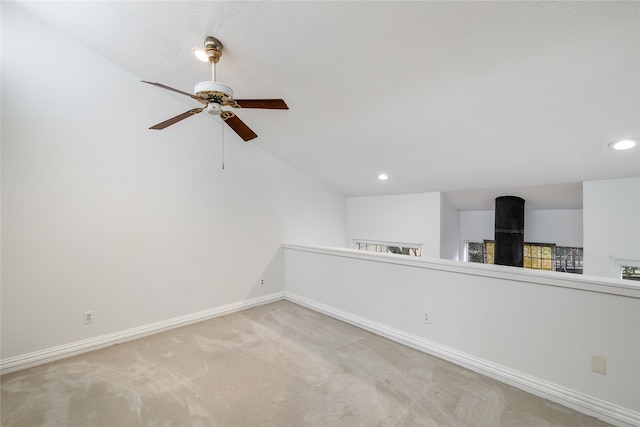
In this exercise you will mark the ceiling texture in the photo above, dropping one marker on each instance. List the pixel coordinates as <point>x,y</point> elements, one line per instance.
<point>475,99</point>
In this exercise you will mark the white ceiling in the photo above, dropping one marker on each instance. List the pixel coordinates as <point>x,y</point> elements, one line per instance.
<point>475,99</point>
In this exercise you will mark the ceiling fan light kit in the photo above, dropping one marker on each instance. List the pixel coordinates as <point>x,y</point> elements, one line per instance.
<point>214,109</point>
<point>215,95</point>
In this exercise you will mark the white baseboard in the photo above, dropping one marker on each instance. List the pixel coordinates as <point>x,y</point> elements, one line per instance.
<point>588,405</point>
<point>40,357</point>
<point>605,411</point>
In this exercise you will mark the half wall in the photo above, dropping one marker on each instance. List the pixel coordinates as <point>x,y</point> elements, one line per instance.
<point>534,330</point>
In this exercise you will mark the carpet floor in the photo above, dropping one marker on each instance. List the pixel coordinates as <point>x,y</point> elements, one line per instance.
<point>279,364</point>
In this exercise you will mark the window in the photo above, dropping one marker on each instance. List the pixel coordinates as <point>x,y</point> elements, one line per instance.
<point>370,247</point>
<point>569,259</point>
<point>628,269</point>
<point>411,249</point>
<point>475,252</point>
<point>538,256</point>
<point>489,250</point>
<point>630,272</point>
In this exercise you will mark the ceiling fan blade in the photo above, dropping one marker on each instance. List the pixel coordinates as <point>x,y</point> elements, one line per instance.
<point>177,118</point>
<point>238,126</point>
<point>270,104</point>
<point>170,88</point>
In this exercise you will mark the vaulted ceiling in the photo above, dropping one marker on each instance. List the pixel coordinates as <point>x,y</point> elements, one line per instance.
<point>474,99</point>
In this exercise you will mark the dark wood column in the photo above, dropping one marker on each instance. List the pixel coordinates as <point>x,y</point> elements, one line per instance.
<point>509,231</point>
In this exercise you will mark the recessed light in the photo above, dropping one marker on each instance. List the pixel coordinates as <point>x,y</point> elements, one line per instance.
<point>623,144</point>
<point>383,177</point>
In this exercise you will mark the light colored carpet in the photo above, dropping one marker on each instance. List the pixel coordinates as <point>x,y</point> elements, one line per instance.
<point>275,365</point>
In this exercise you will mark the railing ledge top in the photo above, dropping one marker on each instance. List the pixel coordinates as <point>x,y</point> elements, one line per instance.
<point>549,278</point>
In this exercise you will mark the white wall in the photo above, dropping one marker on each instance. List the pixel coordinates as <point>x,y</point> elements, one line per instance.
<point>537,330</point>
<point>611,225</point>
<point>404,218</point>
<point>100,213</point>
<point>449,231</point>
<point>562,227</point>
<point>475,226</point>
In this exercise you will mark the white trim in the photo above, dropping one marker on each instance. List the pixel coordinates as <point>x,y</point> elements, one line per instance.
<point>588,405</point>
<point>47,355</point>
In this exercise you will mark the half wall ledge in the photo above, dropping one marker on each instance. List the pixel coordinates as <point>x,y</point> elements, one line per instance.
<point>582,282</point>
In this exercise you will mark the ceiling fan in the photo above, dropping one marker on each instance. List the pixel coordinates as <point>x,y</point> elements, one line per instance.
<point>215,95</point>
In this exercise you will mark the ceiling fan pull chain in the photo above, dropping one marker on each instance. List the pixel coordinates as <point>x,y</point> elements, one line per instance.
<point>222,129</point>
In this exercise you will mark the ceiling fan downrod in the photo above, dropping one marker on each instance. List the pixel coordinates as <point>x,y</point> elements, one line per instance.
<point>213,48</point>
<point>212,93</point>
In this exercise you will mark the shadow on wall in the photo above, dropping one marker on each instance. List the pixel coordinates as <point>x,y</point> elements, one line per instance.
<point>271,280</point>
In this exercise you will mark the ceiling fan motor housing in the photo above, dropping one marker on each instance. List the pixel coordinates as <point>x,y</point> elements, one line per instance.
<point>204,88</point>
<point>214,95</point>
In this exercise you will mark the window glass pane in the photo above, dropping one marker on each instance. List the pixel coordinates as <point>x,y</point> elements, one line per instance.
<point>535,263</point>
<point>538,256</point>
<point>631,273</point>
<point>568,260</point>
<point>369,247</point>
<point>404,250</point>
<point>475,251</point>
<point>488,251</point>
<point>415,251</point>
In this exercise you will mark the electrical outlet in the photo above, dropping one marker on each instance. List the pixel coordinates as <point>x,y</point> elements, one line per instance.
<point>599,365</point>
<point>261,282</point>
<point>88,317</point>
<point>427,317</point>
